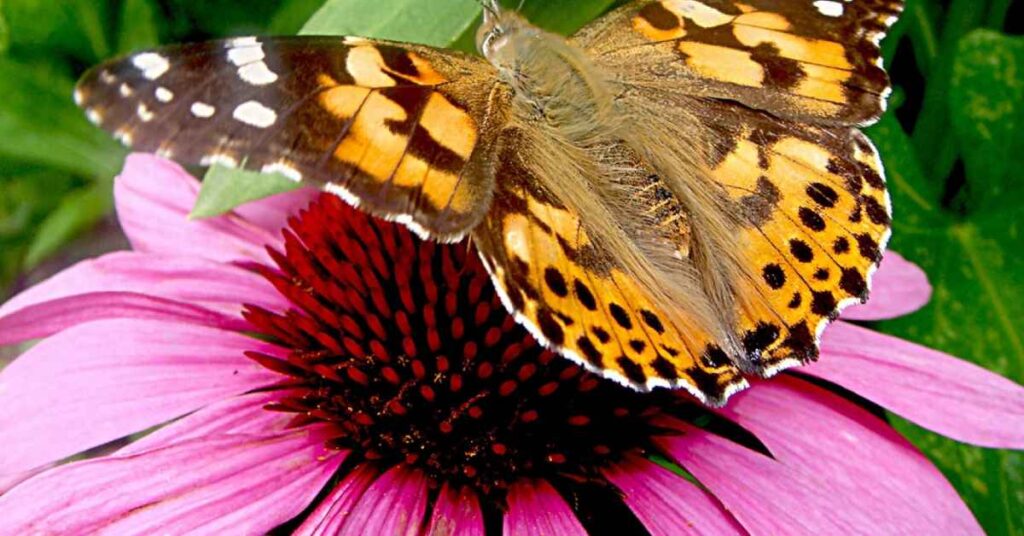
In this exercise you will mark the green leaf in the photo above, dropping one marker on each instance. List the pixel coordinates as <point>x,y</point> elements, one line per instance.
<point>224,189</point>
<point>401,20</point>
<point>138,29</point>
<point>41,125</point>
<point>438,23</point>
<point>220,17</point>
<point>564,17</point>
<point>986,102</point>
<point>79,211</point>
<point>5,31</point>
<point>73,27</point>
<point>292,16</point>
<point>932,134</point>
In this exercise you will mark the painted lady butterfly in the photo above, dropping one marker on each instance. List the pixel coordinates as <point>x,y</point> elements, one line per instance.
<point>678,195</point>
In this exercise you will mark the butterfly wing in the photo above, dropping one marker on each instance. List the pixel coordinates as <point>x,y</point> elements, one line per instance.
<point>817,218</point>
<point>576,297</point>
<point>814,61</point>
<point>400,130</point>
<point>774,90</point>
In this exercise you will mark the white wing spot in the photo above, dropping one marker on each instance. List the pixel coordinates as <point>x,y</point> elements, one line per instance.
<point>144,113</point>
<point>151,64</point>
<point>78,96</point>
<point>94,116</point>
<point>257,74</point>
<point>126,90</point>
<point>246,54</point>
<point>284,168</point>
<point>242,42</point>
<point>255,114</point>
<point>829,8</point>
<point>218,159</point>
<point>124,136</point>
<point>203,110</point>
<point>164,95</point>
<point>107,78</point>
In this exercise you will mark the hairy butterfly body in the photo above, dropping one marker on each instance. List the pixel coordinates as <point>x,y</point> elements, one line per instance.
<point>676,196</point>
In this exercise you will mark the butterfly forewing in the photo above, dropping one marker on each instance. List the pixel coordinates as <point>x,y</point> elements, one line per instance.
<point>805,59</point>
<point>397,129</point>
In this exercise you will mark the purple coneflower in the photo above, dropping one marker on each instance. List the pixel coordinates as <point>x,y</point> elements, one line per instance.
<point>344,377</point>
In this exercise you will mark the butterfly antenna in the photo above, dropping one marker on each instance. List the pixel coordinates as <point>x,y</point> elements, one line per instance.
<point>490,6</point>
<point>520,6</point>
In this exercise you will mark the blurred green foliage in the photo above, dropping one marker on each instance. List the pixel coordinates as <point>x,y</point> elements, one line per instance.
<point>952,148</point>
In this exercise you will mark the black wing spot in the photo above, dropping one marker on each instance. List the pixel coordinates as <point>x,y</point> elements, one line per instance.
<point>554,280</point>
<point>775,276</point>
<point>801,250</point>
<point>823,195</point>
<point>811,219</point>
<point>632,370</point>
<point>841,245</point>
<point>652,320</point>
<point>620,315</point>
<point>853,283</point>
<point>665,368</point>
<point>550,327</point>
<point>590,352</point>
<point>824,304</point>
<point>585,296</point>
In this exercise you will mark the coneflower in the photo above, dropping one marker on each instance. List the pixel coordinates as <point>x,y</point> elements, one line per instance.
<point>345,377</point>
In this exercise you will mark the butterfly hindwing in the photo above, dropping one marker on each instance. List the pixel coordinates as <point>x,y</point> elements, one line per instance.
<point>809,60</point>
<point>815,219</point>
<point>397,129</point>
<point>575,297</point>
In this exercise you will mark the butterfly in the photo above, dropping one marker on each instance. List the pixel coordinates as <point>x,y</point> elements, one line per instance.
<point>677,196</point>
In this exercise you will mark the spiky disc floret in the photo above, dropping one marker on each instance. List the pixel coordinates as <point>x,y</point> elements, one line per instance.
<point>405,349</point>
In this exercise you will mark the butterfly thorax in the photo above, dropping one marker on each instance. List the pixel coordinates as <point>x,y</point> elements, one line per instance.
<point>552,80</point>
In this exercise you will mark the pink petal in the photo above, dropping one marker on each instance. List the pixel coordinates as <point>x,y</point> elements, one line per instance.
<point>272,213</point>
<point>9,481</point>
<point>154,197</point>
<point>898,288</point>
<point>234,484</point>
<point>855,454</point>
<point>456,513</point>
<point>534,507</point>
<point>394,504</point>
<point>666,503</point>
<point>334,511</point>
<point>214,285</point>
<point>243,414</point>
<point>765,496</point>
<point>45,319</point>
<point>101,381</point>
<point>935,390</point>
